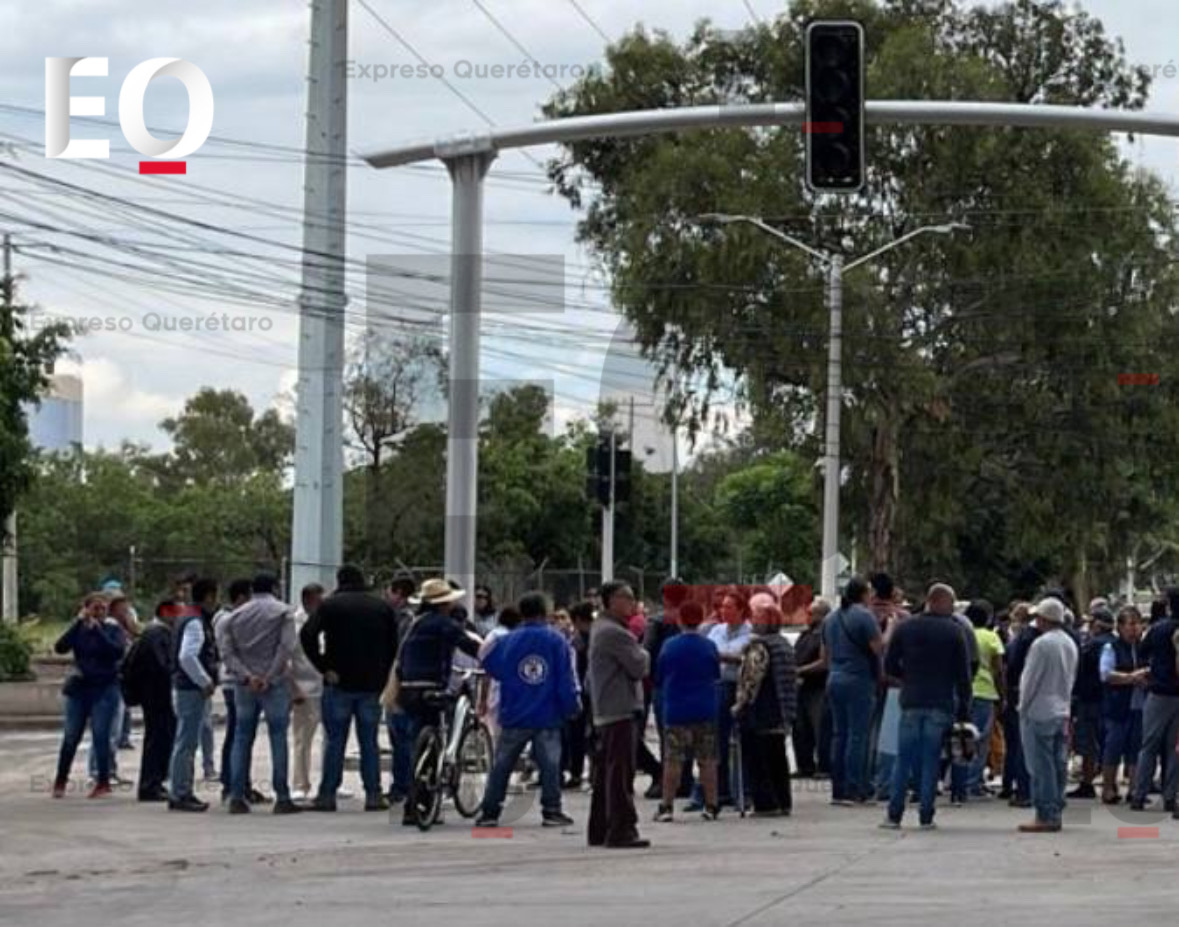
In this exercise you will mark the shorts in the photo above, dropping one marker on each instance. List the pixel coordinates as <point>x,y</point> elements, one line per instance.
<point>695,740</point>
<point>1123,740</point>
<point>1088,733</point>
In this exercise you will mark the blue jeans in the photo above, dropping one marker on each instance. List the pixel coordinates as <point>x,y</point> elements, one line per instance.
<point>276,703</point>
<point>1045,748</point>
<point>190,706</point>
<point>338,708</point>
<point>982,716</point>
<point>1015,770</point>
<point>119,720</point>
<point>852,702</point>
<point>208,749</point>
<point>923,731</point>
<point>403,731</point>
<point>96,704</point>
<point>546,752</point>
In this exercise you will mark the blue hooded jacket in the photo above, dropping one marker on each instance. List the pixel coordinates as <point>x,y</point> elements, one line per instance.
<point>534,667</point>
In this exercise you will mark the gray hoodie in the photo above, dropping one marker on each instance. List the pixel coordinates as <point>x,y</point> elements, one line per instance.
<point>617,665</point>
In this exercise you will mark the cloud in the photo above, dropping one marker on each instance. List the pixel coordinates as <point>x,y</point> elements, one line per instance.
<point>114,407</point>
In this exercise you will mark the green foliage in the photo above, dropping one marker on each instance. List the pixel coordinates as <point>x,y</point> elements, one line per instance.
<point>15,653</point>
<point>978,370</point>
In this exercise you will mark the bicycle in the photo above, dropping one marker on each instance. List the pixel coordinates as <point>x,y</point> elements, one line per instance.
<point>452,758</point>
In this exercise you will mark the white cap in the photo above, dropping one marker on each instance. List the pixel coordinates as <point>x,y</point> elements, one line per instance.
<point>1050,609</point>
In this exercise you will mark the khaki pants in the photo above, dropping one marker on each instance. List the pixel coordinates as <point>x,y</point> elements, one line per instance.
<point>305,718</point>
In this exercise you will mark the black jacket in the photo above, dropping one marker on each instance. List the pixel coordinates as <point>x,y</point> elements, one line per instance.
<point>929,655</point>
<point>359,639</point>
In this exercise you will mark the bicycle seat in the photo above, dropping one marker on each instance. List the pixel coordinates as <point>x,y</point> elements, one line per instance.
<point>438,697</point>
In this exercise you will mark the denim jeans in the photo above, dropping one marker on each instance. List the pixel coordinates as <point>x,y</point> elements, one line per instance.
<point>1160,731</point>
<point>276,703</point>
<point>403,731</point>
<point>1015,770</point>
<point>546,752</point>
<point>852,702</point>
<point>982,716</point>
<point>208,749</point>
<point>923,731</point>
<point>1045,748</point>
<point>96,704</point>
<point>338,709</point>
<point>119,719</point>
<point>190,706</point>
<point>227,743</point>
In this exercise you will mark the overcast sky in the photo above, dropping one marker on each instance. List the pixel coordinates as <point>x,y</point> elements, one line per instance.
<point>254,53</point>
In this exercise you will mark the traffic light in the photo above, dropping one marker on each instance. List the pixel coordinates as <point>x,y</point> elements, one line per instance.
<point>622,461</point>
<point>597,475</point>
<point>834,127</point>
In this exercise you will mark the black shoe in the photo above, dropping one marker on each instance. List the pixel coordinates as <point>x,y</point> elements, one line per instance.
<point>638,843</point>
<point>654,791</point>
<point>408,822</point>
<point>189,803</point>
<point>323,804</point>
<point>482,822</point>
<point>257,798</point>
<point>1020,803</point>
<point>376,803</point>
<point>711,814</point>
<point>238,806</point>
<point>556,819</point>
<point>286,806</point>
<point>394,797</point>
<point>1082,792</point>
<point>1138,805</point>
<point>572,784</point>
<point>158,795</point>
<point>1169,806</point>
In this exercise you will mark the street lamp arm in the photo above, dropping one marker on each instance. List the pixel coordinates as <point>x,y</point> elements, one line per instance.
<point>926,230</point>
<point>725,219</point>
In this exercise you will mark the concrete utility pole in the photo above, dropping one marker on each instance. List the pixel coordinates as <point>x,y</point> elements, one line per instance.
<point>9,612</point>
<point>317,530</point>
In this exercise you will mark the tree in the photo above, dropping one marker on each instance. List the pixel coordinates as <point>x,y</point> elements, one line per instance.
<point>219,439</point>
<point>949,345</point>
<point>26,360</point>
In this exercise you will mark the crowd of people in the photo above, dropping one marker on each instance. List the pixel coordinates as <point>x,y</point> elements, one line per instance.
<point>893,702</point>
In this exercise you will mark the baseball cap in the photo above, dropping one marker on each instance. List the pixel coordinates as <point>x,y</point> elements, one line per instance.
<point>1050,609</point>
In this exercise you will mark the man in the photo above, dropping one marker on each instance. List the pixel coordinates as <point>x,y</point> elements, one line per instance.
<point>617,666</point>
<point>580,726</point>
<point>426,656</point>
<point>194,681</point>
<point>731,636</point>
<point>662,627</point>
<point>260,641</point>
<point>306,696</point>
<point>1160,714</point>
<point>929,656</point>
<point>1124,677</point>
<point>686,677</point>
<point>812,728</point>
<point>148,669</point>
<point>352,640</point>
<point>538,691</point>
<point>1017,787</point>
<point>398,594</point>
<point>1089,693</point>
<point>239,595</point>
<point>765,706</point>
<point>1045,696</point>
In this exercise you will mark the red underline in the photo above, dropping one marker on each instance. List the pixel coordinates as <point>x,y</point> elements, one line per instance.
<point>163,167</point>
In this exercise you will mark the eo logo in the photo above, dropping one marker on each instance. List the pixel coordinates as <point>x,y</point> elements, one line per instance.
<point>60,106</point>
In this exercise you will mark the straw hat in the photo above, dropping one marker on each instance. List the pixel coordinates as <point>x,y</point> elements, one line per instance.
<point>437,592</point>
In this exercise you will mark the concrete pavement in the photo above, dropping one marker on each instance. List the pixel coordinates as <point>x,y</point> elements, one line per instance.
<point>117,862</point>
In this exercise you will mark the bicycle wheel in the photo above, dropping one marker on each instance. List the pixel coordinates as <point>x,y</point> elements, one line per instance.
<point>472,769</point>
<point>425,791</point>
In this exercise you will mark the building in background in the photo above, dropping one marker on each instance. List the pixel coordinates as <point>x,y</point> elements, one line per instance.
<point>56,426</point>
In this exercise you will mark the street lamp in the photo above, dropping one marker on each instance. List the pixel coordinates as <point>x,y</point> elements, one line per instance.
<point>834,265</point>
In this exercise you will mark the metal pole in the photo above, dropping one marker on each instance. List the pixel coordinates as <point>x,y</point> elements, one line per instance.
<point>675,500</point>
<point>9,579</point>
<point>608,522</point>
<point>317,527</point>
<point>467,172</point>
<point>829,567</point>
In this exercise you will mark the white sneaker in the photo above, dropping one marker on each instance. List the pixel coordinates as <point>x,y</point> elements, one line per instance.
<point>344,794</point>
<point>298,795</point>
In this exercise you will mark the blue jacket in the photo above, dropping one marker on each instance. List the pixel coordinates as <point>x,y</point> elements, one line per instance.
<point>534,667</point>
<point>97,651</point>
<point>428,649</point>
<point>687,675</point>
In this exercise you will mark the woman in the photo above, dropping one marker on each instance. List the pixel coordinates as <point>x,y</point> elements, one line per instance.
<point>765,708</point>
<point>118,614</point>
<point>91,691</point>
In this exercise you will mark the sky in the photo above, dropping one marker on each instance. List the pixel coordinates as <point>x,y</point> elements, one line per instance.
<point>140,361</point>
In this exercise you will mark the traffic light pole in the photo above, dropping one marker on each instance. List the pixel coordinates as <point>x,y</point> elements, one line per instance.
<point>831,457</point>
<point>608,520</point>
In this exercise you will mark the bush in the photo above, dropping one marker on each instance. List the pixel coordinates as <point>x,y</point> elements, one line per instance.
<point>15,653</point>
